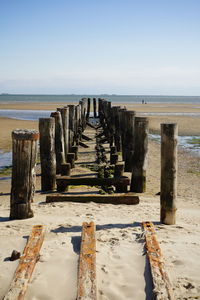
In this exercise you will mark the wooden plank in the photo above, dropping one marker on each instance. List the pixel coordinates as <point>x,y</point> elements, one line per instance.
<point>83,144</point>
<point>92,181</point>
<point>85,137</point>
<point>87,264</point>
<point>162,285</point>
<point>128,199</point>
<point>26,265</point>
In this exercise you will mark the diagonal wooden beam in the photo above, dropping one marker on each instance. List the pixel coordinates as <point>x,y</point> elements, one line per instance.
<point>87,264</point>
<point>85,137</point>
<point>26,265</point>
<point>83,144</point>
<point>162,285</point>
<point>91,125</point>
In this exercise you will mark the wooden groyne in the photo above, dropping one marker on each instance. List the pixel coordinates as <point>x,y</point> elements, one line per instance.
<point>120,168</point>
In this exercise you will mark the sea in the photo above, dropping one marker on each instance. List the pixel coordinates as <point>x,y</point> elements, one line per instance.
<point>10,98</point>
<point>5,158</point>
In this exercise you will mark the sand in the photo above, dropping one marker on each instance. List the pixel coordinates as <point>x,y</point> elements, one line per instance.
<point>122,270</point>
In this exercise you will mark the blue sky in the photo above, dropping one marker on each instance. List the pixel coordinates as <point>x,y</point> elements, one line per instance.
<point>105,46</point>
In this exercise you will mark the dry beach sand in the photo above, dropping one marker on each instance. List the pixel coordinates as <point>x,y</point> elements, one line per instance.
<point>122,270</point>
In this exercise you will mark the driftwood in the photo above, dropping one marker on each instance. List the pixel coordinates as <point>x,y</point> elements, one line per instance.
<point>26,265</point>
<point>87,264</point>
<point>128,198</point>
<point>162,285</point>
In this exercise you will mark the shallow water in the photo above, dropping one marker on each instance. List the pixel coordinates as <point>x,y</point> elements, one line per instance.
<point>30,115</point>
<point>183,142</point>
<point>5,159</point>
<point>8,98</point>
<point>34,115</point>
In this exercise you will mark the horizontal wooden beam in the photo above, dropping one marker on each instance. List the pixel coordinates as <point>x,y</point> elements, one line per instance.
<point>87,264</point>
<point>128,198</point>
<point>91,181</point>
<point>26,265</point>
<point>162,285</point>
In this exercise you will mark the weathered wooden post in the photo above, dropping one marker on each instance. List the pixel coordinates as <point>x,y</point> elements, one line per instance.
<point>122,118</point>
<point>88,109</point>
<point>129,140</point>
<point>71,125</point>
<point>77,123</point>
<point>114,158</point>
<point>24,143</point>
<point>59,141</point>
<point>71,159</point>
<point>95,107</point>
<point>139,164</point>
<point>168,195</point>
<point>65,121</point>
<point>119,169</point>
<point>117,137</point>
<point>65,169</point>
<point>100,109</point>
<point>74,150</point>
<point>47,153</point>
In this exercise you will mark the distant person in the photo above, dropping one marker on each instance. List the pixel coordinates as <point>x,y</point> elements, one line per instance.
<point>142,101</point>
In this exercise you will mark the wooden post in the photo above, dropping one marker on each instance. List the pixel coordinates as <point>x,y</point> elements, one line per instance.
<point>95,107</point>
<point>74,150</point>
<point>77,123</point>
<point>129,140</point>
<point>113,158</point>
<point>71,125</point>
<point>118,172</point>
<point>119,169</point>
<point>113,149</point>
<point>59,141</point>
<point>24,143</point>
<point>117,137</point>
<point>169,136</point>
<point>65,169</point>
<point>122,117</point>
<point>65,120</point>
<point>138,181</point>
<point>88,109</point>
<point>71,159</point>
<point>47,153</point>
<point>100,101</point>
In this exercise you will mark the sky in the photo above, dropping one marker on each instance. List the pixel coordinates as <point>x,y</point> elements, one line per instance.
<point>103,46</point>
